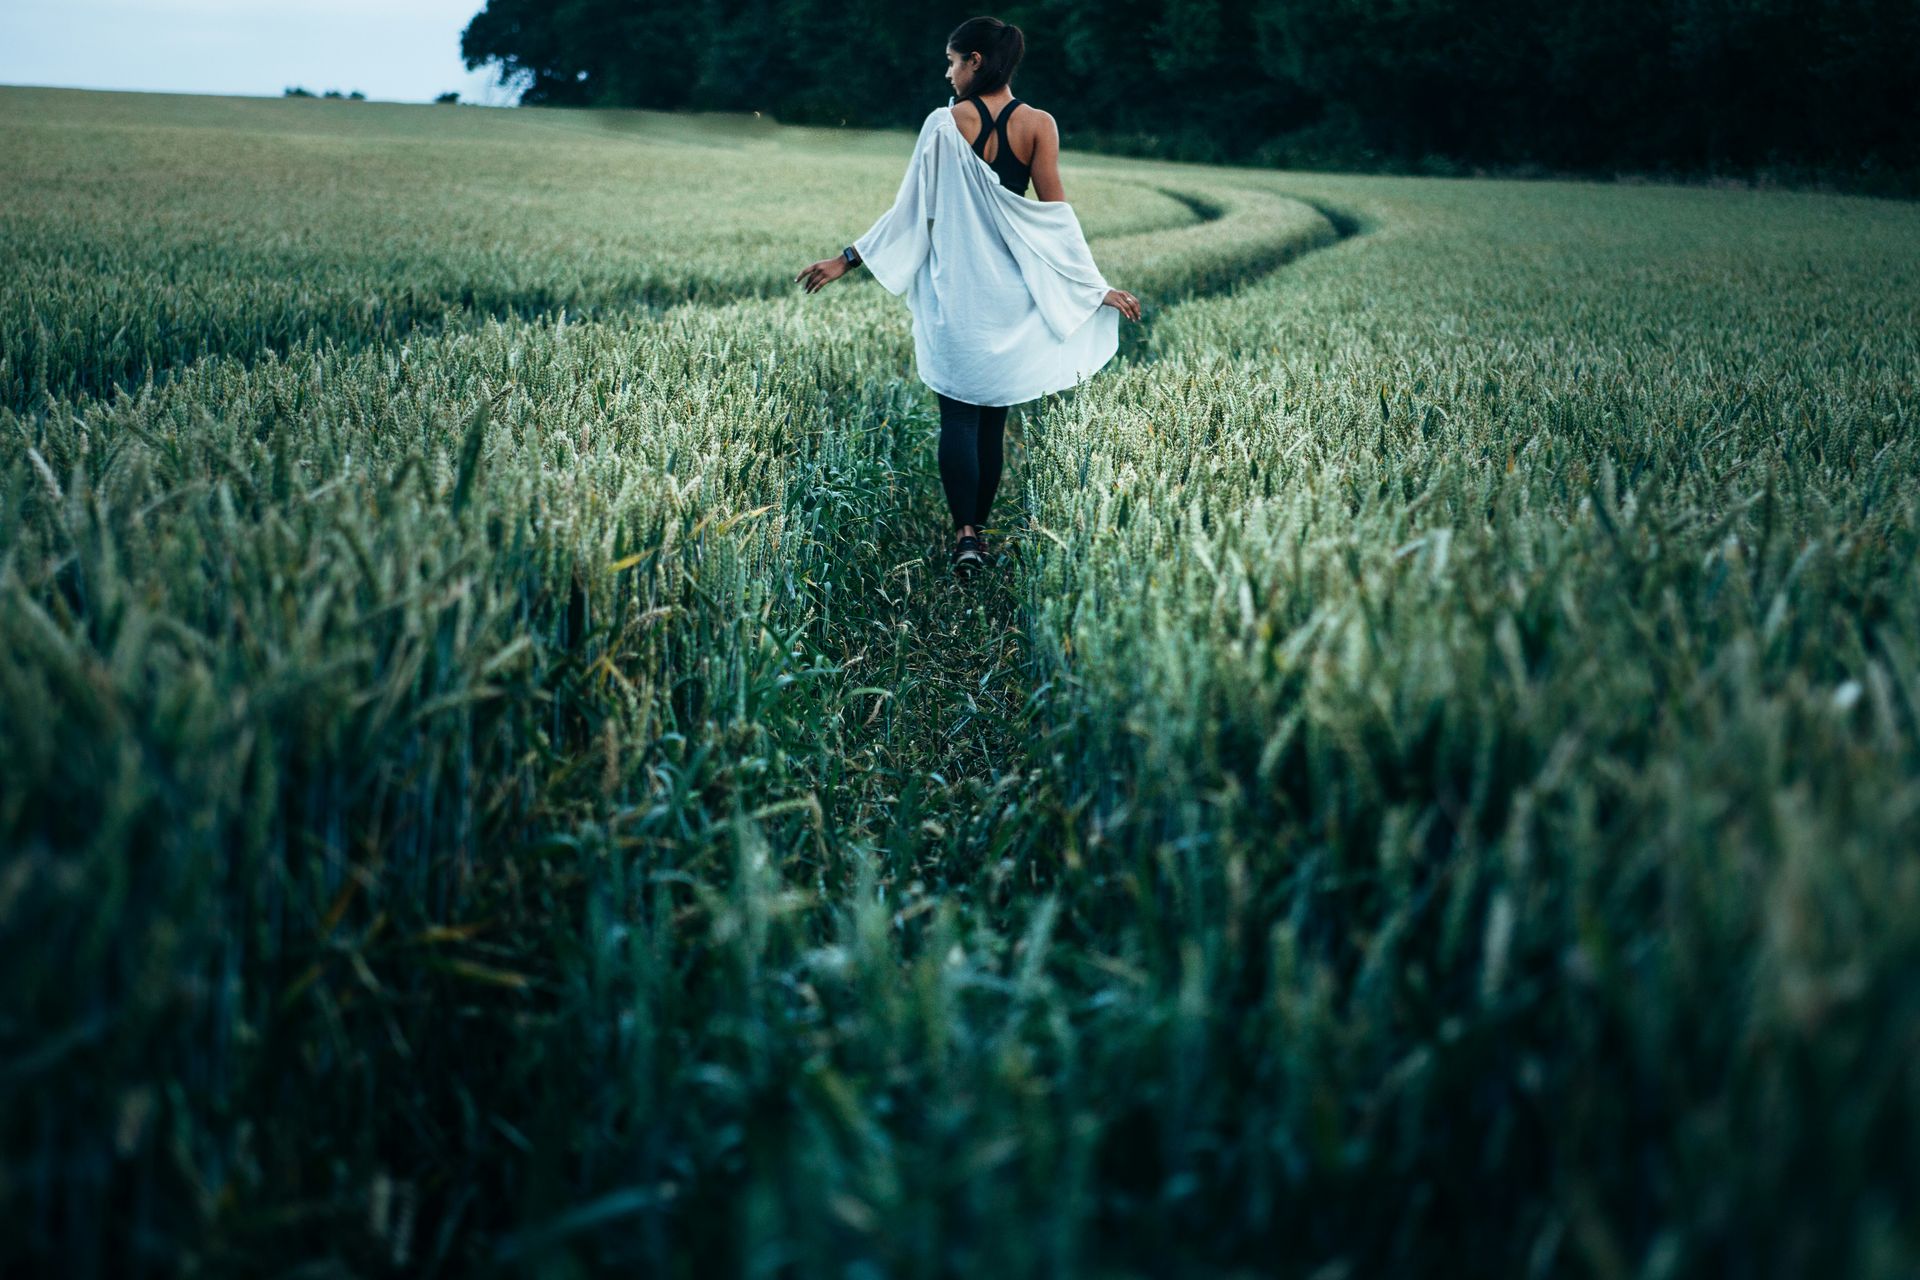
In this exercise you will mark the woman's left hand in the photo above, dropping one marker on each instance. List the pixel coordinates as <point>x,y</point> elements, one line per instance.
<point>818,274</point>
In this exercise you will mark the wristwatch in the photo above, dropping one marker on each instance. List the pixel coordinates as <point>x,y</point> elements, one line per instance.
<point>853,259</point>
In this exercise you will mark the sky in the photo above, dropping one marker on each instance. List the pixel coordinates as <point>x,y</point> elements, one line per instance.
<point>390,50</point>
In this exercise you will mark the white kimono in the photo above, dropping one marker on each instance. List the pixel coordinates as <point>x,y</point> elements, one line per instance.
<point>1005,296</point>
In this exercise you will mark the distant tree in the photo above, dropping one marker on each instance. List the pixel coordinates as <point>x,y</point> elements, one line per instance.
<point>1430,85</point>
<point>357,96</point>
<point>596,52</point>
<point>333,93</point>
<point>448,99</point>
<point>295,91</point>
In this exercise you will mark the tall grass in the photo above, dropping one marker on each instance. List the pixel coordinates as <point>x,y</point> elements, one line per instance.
<point>1497,636</point>
<point>141,237</point>
<point>302,665</point>
<point>1429,793</point>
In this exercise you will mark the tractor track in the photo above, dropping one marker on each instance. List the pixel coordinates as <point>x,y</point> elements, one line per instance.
<point>948,754</point>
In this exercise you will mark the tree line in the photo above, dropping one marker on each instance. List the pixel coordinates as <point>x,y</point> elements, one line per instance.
<point>1797,89</point>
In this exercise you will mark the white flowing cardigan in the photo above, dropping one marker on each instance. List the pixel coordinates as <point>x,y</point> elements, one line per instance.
<point>1005,296</point>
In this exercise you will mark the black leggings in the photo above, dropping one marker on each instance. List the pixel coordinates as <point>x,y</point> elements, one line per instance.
<point>972,448</point>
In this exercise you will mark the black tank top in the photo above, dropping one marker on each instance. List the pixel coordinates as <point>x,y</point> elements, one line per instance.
<point>1013,174</point>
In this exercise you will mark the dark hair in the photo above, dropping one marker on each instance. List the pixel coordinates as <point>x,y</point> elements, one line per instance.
<point>1000,46</point>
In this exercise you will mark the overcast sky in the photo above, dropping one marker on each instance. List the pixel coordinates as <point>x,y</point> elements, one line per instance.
<point>392,50</point>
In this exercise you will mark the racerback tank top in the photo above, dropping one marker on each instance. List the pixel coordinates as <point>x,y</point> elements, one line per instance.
<point>1013,174</point>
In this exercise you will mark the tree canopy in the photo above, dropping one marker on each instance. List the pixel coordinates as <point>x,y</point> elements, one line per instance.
<point>1664,85</point>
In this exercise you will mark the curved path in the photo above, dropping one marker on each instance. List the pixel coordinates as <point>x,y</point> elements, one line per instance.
<point>945,751</point>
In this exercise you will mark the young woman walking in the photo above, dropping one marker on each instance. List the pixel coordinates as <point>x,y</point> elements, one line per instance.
<point>1007,302</point>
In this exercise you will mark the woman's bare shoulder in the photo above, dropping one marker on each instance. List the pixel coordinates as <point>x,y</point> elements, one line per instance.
<point>1042,126</point>
<point>974,117</point>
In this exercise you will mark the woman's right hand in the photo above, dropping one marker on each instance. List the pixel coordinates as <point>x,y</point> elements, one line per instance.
<point>1123,302</point>
<point>817,275</point>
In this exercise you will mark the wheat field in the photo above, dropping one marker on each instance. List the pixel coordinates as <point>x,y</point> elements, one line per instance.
<point>496,776</point>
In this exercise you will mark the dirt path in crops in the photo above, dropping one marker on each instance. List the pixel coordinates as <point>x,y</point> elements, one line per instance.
<point>948,754</point>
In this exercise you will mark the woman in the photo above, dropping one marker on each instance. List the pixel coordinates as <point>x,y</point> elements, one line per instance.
<point>1007,302</point>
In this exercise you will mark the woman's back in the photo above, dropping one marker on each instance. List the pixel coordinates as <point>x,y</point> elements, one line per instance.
<point>994,141</point>
<point>1004,290</point>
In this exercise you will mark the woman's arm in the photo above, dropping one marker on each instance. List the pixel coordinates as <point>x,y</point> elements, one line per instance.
<point>1046,186</point>
<point>1046,160</point>
<point>815,276</point>
<point>895,245</point>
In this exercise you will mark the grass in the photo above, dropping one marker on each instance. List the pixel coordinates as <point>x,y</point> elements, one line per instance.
<point>1430,788</point>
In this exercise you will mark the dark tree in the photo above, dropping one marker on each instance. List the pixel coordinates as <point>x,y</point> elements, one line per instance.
<point>1805,87</point>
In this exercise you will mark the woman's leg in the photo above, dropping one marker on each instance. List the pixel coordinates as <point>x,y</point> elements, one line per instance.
<point>992,450</point>
<point>960,457</point>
